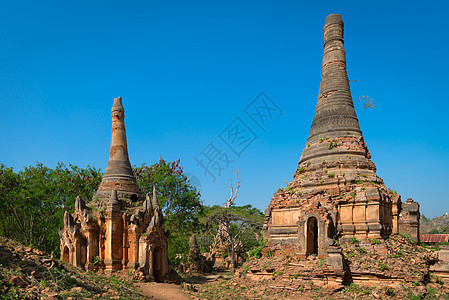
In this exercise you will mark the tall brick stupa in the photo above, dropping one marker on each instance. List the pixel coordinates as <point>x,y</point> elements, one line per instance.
<point>119,174</point>
<point>119,228</point>
<point>335,192</point>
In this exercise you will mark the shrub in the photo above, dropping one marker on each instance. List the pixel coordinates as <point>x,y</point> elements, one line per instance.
<point>375,241</point>
<point>257,250</point>
<point>321,262</point>
<point>354,287</point>
<point>354,240</point>
<point>389,291</point>
<point>332,145</point>
<point>383,267</point>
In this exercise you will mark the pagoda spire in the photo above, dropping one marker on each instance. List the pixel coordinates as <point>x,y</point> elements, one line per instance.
<point>119,175</point>
<point>335,192</point>
<point>118,166</point>
<point>335,124</point>
<point>334,114</point>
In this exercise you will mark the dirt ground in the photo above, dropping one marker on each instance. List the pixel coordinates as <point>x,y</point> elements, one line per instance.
<point>166,291</point>
<point>161,291</point>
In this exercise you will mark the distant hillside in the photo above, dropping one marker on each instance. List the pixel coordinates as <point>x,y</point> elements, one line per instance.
<point>435,225</point>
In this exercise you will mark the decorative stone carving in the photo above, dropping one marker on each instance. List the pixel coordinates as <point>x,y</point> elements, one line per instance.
<point>104,234</point>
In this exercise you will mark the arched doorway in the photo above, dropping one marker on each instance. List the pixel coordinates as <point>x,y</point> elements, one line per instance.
<point>312,236</point>
<point>66,255</point>
<point>157,265</point>
<point>83,252</point>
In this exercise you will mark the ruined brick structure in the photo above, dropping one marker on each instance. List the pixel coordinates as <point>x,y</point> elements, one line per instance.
<point>118,229</point>
<point>335,193</point>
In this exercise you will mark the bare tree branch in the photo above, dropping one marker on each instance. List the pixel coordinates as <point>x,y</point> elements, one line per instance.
<point>230,201</point>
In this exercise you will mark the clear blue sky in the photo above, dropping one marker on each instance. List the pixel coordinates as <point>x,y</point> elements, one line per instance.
<point>187,69</point>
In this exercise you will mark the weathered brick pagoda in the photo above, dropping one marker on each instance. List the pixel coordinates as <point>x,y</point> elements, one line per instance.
<point>118,229</point>
<point>335,193</point>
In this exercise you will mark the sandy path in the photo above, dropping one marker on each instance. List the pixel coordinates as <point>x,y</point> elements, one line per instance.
<point>161,291</point>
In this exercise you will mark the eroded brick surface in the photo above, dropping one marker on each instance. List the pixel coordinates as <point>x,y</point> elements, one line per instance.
<point>118,229</point>
<point>335,193</point>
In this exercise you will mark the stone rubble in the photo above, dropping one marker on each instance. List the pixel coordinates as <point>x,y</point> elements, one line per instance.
<point>373,268</point>
<point>28,273</point>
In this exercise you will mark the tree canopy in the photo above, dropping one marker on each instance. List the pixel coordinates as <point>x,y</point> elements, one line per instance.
<point>180,201</point>
<point>31,200</point>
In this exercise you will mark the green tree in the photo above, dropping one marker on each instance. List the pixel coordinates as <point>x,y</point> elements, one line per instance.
<point>32,201</point>
<point>180,201</point>
<point>74,181</point>
<point>9,183</point>
<point>234,226</point>
<point>444,229</point>
<point>250,235</point>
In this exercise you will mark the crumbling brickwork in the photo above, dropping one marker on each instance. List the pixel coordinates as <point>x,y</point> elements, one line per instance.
<point>118,229</point>
<point>335,192</point>
<point>409,219</point>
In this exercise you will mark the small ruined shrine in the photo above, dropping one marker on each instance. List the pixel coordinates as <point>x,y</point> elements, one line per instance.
<point>335,192</point>
<point>118,229</point>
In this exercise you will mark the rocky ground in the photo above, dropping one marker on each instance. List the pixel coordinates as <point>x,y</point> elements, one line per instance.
<point>27,273</point>
<point>375,269</point>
